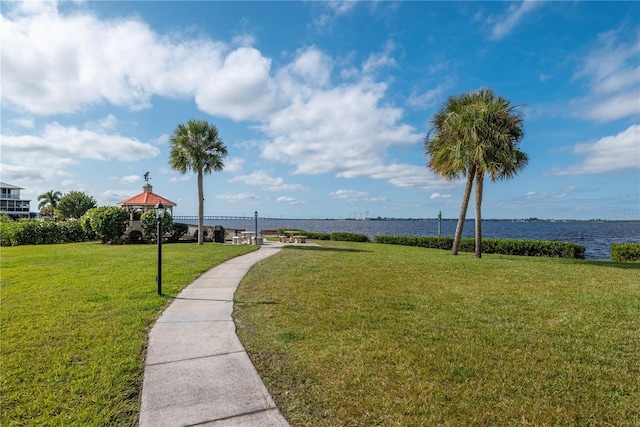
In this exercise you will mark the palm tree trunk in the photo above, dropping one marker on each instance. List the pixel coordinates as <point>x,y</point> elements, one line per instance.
<point>200,208</point>
<point>463,210</point>
<point>479,183</point>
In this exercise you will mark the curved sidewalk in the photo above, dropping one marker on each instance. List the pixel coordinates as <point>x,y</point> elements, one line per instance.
<point>197,371</point>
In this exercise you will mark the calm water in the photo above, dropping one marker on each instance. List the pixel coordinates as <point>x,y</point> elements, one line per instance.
<point>597,237</point>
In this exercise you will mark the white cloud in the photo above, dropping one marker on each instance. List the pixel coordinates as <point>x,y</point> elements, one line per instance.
<point>535,195</point>
<point>440,196</point>
<point>336,130</point>
<point>233,164</point>
<point>289,200</point>
<point>108,123</point>
<point>114,196</point>
<point>59,147</point>
<point>312,66</point>
<point>355,196</point>
<point>504,24</point>
<point>565,192</point>
<point>241,89</point>
<point>608,154</point>
<point>262,179</point>
<point>130,179</point>
<point>244,40</point>
<point>380,60</point>
<point>332,9</point>
<point>29,168</point>
<point>59,63</point>
<point>612,69</point>
<point>180,178</point>
<point>428,98</point>
<point>161,140</point>
<point>25,123</point>
<point>79,143</point>
<point>400,175</point>
<point>237,197</point>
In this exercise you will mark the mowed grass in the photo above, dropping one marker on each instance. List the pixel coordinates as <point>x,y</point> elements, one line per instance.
<point>369,334</point>
<point>74,324</point>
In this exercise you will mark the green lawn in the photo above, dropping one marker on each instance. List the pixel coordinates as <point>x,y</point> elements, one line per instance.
<point>74,321</point>
<point>370,334</point>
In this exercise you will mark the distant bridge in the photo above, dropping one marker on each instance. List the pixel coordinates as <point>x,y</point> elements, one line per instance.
<point>214,218</point>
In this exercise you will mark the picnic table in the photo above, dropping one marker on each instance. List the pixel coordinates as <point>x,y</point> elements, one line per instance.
<point>293,237</point>
<point>247,237</point>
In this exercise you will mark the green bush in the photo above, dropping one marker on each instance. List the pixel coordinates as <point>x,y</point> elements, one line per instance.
<point>317,236</point>
<point>623,252</point>
<point>8,232</point>
<point>178,230</point>
<point>37,232</point>
<point>135,236</point>
<point>72,231</point>
<point>543,248</point>
<point>149,223</point>
<point>107,222</point>
<point>349,237</point>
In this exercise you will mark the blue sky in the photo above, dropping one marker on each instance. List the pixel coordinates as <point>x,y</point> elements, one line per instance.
<point>323,106</point>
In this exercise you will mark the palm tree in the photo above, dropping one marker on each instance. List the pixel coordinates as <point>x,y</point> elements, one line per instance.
<point>475,134</point>
<point>49,201</point>
<point>197,147</point>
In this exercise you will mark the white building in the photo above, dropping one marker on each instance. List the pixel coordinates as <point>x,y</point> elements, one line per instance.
<point>11,203</point>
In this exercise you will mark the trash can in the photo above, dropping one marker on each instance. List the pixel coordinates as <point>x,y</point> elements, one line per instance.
<point>218,234</point>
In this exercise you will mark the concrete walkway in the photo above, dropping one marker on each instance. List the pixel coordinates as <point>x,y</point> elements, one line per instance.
<point>197,371</point>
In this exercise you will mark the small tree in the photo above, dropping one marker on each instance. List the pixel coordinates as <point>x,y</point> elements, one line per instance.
<point>149,223</point>
<point>108,222</point>
<point>197,147</point>
<point>75,204</point>
<point>48,202</point>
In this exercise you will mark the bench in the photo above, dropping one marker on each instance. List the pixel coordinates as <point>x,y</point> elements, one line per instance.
<point>300,239</point>
<point>283,239</point>
<point>268,232</point>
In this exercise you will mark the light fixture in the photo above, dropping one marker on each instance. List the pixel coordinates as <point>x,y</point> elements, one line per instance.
<point>160,210</point>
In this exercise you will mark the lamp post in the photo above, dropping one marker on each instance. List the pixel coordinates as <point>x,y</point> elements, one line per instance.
<point>159,216</point>
<point>255,214</point>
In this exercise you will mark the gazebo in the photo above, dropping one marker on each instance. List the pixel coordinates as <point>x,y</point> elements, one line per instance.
<point>142,202</point>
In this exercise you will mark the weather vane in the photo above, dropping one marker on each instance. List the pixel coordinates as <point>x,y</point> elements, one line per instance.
<point>146,177</point>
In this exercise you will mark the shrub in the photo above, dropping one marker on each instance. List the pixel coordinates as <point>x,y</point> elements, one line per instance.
<point>72,231</point>
<point>108,222</point>
<point>544,248</point>
<point>349,237</point>
<point>135,236</point>
<point>8,233</point>
<point>623,252</point>
<point>149,223</point>
<point>36,232</point>
<point>316,236</point>
<point>178,230</point>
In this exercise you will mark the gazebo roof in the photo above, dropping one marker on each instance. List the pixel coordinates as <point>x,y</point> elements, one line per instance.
<point>146,198</point>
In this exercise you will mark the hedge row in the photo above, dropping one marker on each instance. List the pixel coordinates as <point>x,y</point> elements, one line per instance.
<point>338,236</point>
<point>349,237</point>
<point>544,248</point>
<point>38,232</point>
<point>625,252</point>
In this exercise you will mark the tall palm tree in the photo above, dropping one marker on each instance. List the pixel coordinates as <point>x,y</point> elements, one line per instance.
<point>475,134</point>
<point>196,146</point>
<point>49,201</point>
